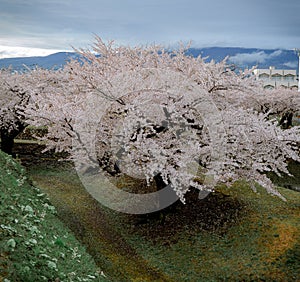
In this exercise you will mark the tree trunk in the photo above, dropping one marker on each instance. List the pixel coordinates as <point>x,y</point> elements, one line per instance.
<point>286,120</point>
<point>160,184</point>
<point>7,143</point>
<point>7,138</point>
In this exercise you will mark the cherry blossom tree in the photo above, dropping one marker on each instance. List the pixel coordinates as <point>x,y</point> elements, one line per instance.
<point>12,97</point>
<point>283,103</point>
<point>162,116</point>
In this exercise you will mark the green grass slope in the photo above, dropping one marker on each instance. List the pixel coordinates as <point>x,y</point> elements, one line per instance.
<point>34,244</point>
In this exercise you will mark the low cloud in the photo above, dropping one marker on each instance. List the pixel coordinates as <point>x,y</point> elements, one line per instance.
<point>253,58</point>
<point>291,65</point>
<point>13,52</point>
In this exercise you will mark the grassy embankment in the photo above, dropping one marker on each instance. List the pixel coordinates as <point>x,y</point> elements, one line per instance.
<point>34,244</point>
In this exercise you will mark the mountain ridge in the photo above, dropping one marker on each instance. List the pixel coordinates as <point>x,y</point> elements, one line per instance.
<point>240,57</point>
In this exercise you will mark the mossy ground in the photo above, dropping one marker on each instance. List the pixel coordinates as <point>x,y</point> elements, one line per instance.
<point>232,235</point>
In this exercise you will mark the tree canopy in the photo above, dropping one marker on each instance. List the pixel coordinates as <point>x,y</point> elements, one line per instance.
<point>148,112</point>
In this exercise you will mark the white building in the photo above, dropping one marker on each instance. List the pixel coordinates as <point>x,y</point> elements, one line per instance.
<point>273,78</point>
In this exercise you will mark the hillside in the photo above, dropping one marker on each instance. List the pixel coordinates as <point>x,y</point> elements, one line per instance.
<point>240,57</point>
<point>248,57</point>
<point>53,61</point>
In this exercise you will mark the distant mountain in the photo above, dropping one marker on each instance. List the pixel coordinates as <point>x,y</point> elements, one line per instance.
<point>53,61</point>
<point>240,57</point>
<point>249,57</point>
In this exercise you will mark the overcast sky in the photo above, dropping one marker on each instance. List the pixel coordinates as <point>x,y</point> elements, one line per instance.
<point>59,24</point>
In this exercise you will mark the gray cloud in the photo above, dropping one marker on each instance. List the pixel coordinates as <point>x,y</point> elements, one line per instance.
<point>62,23</point>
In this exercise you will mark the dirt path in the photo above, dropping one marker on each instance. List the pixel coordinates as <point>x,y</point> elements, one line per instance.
<point>84,216</point>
